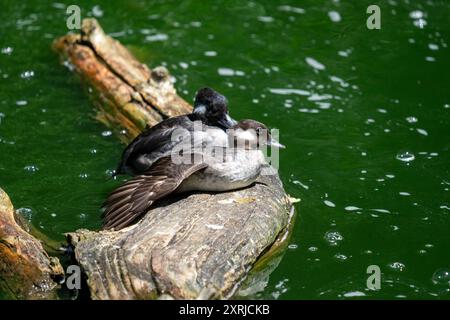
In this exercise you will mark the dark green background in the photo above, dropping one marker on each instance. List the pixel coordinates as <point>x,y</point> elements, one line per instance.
<point>342,138</point>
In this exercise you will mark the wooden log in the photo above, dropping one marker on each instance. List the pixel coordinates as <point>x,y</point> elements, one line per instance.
<point>27,272</point>
<point>130,95</point>
<point>188,246</point>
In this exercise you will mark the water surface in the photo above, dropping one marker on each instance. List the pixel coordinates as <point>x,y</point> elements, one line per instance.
<point>365,116</point>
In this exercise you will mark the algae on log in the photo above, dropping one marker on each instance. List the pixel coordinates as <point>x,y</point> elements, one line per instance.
<point>26,271</point>
<point>199,245</point>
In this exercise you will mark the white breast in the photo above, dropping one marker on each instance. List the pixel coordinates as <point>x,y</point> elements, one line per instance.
<point>238,170</point>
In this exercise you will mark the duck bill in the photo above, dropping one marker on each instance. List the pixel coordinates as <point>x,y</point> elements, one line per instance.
<point>227,122</point>
<point>274,143</point>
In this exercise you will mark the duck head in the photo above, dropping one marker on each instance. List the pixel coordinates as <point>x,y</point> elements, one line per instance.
<point>212,108</point>
<point>252,134</point>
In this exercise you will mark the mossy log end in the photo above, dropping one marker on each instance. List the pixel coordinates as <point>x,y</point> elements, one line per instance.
<point>191,246</point>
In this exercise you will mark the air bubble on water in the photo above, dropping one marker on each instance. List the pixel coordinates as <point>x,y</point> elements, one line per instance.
<point>313,249</point>
<point>340,256</point>
<point>429,245</point>
<point>82,216</point>
<point>83,175</point>
<point>314,63</point>
<point>21,102</point>
<point>441,277</point>
<point>27,74</point>
<point>418,18</point>
<point>297,182</point>
<point>333,238</point>
<point>396,266</point>
<point>288,8</point>
<point>53,215</point>
<point>416,14</point>
<point>381,210</point>
<point>266,19</point>
<point>352,208</point>
<point>97,11</point>
<point>230,72</point>
<point>412,119</point>
<point>7,50</point>
<point>31,168</point>
<point>287,103</point>
<point>354,294</point>
<point>156,37</point>
<point>404,193</point>
<point>420,23</point>
<point>110,173</point>
<point>334,16</point>
<point>328,203</point>
<point>210,53</point>
<point>405,156</point>
<point>433,46</point>
<point>106,133</point>
<point>293,246</point>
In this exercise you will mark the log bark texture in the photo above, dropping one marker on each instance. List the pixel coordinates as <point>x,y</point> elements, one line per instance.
<point>190,246</point>
<point>26,270</point>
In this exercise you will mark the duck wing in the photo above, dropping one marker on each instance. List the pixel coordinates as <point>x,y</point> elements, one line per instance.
<point>131,200</point>
<point>151,142</point>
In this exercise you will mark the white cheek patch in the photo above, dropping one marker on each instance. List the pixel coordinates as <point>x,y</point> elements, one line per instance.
<point>201,109</point>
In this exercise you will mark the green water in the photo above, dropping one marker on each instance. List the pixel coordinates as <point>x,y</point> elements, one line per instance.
<point>348,102</point>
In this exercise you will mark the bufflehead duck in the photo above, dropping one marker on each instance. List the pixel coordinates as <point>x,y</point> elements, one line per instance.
<point>210,108</point>
<point>235,166</point>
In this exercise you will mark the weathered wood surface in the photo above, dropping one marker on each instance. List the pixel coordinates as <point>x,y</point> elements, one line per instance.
<point>26,271</point>
<point>189,246</point>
